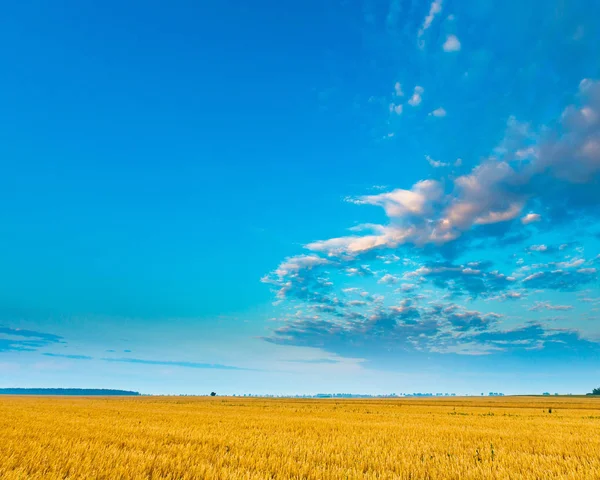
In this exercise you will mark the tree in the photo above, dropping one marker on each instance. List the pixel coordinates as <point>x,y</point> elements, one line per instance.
<point>596,391</point>
<point>213,394</point>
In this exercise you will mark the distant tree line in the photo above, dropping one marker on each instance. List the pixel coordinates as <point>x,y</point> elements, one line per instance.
<point>595,391</point>
<point>67,391</point>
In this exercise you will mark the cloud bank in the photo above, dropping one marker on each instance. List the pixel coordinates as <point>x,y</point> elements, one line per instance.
<point>554,170</point>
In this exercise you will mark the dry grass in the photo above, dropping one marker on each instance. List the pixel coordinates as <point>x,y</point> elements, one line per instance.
<point>210,438</point>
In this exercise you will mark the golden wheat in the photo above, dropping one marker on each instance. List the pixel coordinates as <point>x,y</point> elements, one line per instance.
<point>231,438</point>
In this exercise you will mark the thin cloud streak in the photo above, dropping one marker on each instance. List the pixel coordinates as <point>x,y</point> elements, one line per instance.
<point>168,363</point>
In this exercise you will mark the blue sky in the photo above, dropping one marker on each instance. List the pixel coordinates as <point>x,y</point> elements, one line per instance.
<point>296,197</point>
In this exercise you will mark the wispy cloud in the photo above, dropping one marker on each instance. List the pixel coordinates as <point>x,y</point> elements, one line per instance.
<point>70,357</point>
<point>548,306</point>
<point>316,361</point>
<point>398,90</point>
<point>169,363</point>
<point>396,108</point>
<point>434,9</point>
<point>16,339</point>
<point>435,163</point>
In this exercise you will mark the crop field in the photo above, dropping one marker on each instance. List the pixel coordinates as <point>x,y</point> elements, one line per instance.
<point>253,438</point>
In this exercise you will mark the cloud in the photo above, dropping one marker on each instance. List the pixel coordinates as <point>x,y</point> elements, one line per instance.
<point>438,221</point>
<point>392,326</point>
<point>452,44</point>
<point>167,363</point>
<point>462,279</point>
<point>441,328</point>
<point>397,109</point>
<point>512,295</point>
<point>316,361</point>
<point>575,155</point>
<point>575,262</point>
<point>417,201</point>
<point>388,279</point>
<point>424,215</point>
<point>16,339</point>
<point>357,303</point>
<point>408,287</point>
<point>360,271</point>
<point>301,262</point>
<point>298,278</point>
<point>531,218</point>
<point>435,163</point>
<point>587,271</point>
<point>439,112</point>
<point>434,9</point>
<point>548,306</point>
<point>467,320</point>
<point>398,90</point>
<point>70,357</point>
<point>562,280</point>
<point>416,98</point>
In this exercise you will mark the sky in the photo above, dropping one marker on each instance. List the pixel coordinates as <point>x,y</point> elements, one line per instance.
<point>363,196</point>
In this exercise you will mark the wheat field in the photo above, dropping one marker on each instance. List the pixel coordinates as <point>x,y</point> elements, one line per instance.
<point>253,438</point>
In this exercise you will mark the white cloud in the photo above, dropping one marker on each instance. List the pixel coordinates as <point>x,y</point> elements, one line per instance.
<point>389,237</point>
<point>434,9</point>
<point>533,276</point>
<point>388,279</point>
<point>387,259</point>
<point>416,98</point>
<point>458,162</point>
<point>548,306</point>
<point>524,153</point>
<point>439,112</point>
<point>435,163</point>
<point>398,90</point>
<point>479,200</point>
<point>452,44</point>
<point>576,262</point>
<point>301,262</point>
<point>530,218</point>
<point>508,296</point>
<point>587,271</point>
<point>495,191</point>
<point>397,109</point>
<point>398,203</point>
